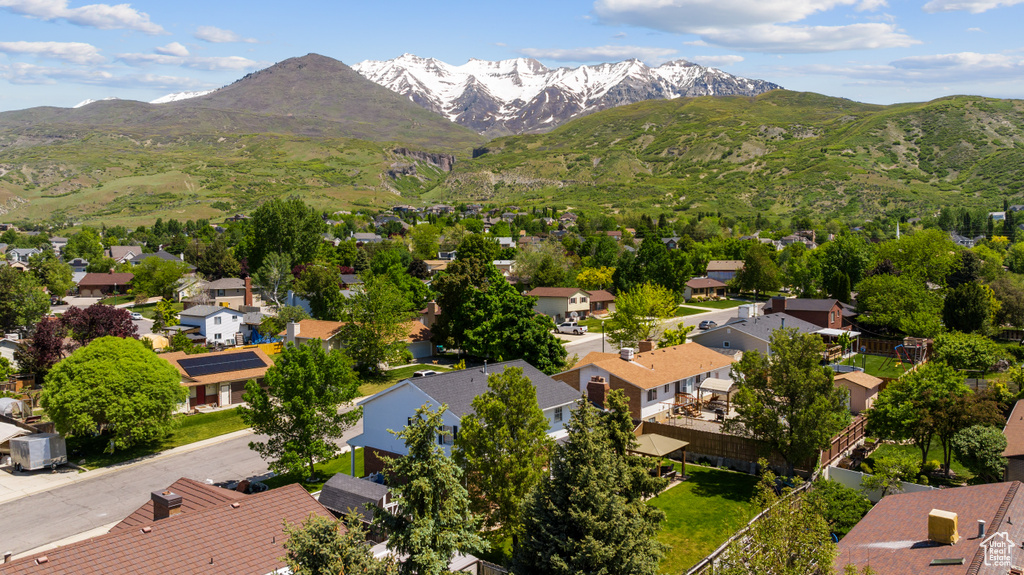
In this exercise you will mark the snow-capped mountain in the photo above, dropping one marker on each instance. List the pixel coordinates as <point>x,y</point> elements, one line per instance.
<point>522,95</point>
<point>84,103</point>
<point>179,96</point>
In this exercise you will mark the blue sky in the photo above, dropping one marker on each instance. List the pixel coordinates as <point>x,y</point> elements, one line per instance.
<point>60,52</point>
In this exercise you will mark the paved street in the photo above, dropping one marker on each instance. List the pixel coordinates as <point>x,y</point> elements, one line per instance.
<point>45,517</point>
<point>583,345</point>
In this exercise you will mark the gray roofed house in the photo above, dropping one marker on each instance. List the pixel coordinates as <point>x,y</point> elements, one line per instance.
<point>121,254</point>
<point>367,237</point>
<point>162,254</point>
<point>751,333</point>
<point>394,407</point>
<point>351,279</point>
<point>200,311</point>
<point>21,254</point>
<point>343,492</point>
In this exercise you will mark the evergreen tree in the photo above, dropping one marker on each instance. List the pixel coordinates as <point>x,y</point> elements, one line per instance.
<point>322,546</point>
<point>432,520</point>
<point>580,519</point>
<point>618,420</point>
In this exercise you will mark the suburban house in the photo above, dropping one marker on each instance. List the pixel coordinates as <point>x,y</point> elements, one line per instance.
<point>328,333</point>
<point>121,254</point>
<point>1014,453</point>
<point>704,288</point>
<point>344,494</point>
<point>910,533</point>
<point>723,270</point>
<point>601,302</point>
<point>651,378</point>
<point>100,285</point>
<point>164,255</point>
<point>561,303</point>
<point>227,292</point>
<point>217,324</point>
<point>367,238</point>
<point>671,243</point>
<point>826,313</point>
<point>394,407</point>
<point>863,388</point>
<point>504,266</point>
<point>217,379</point>
<point>750,333</point>
<point>21,254</point>
<point>58,243</point>
<point>78,265</point>
<point>172,534</point>
<point>8,345</point>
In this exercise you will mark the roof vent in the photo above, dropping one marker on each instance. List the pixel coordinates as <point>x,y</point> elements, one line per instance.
<point>42,559</point>
<point>236,505</point>
<point>942,527</point>
<point>147,529</point>
<point>626,353</point>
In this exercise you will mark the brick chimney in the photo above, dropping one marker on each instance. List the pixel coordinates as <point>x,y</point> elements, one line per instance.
<point>431,315</point>
<point>291,331</point>
<point>597,390</point>
<point>165,504</point>
<point>646,345</point>
<point>248,290</point>
<point>778,304</point>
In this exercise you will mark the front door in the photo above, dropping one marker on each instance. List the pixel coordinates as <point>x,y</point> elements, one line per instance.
<point>200,395</point>
<point>225,394</point>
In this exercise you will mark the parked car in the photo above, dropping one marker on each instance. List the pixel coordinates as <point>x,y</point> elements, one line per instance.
<point>424,373</point>
<point>571,327</point>
<point>136,315</point>
<point>707,324</point>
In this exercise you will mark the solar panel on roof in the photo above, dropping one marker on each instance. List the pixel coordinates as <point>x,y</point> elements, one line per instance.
<point>216,363</point>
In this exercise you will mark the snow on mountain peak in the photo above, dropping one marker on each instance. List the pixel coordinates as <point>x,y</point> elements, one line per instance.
<point>178,96</point>
<point>521,94</point>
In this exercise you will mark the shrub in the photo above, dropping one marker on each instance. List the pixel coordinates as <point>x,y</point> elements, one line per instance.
<point>930,467</point>
<point>841,506</point>
<point>865,468</point>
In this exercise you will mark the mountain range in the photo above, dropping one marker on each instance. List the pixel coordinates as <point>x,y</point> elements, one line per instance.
<point>522,95</point>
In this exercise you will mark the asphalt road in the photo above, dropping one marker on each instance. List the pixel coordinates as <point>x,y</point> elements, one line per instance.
<point>53,515</point>
<point>587,344</point>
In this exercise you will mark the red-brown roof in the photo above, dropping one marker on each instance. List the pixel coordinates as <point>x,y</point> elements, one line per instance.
<point>865,380</point>
<point>1014,431</point>
<point>242,540</point>
<point>725,265</point>
<point>107,279</point>
<point>893,536</point>
<point>601,295</point>
<point>554,292</point>
<point>653,368</point>
<point>245,374</point>
<point>195,497</point>
<point>704,283</point>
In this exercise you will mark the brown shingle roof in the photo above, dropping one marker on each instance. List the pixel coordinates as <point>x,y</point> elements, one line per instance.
<point>725,265</point>
<point>246,374</point>
<point>554,292</point>
<point>702,283</point>
<point>601,295</point>
<point>1014,431</point>
<point>118,253</point>
<point>243,540</point>
<point>893,536</point>
<point>195,497</point>
<point>318,329</point>
<point>107,279</point>
<point>653,368</point>
<point>417,332</point>
<point>862,379</point>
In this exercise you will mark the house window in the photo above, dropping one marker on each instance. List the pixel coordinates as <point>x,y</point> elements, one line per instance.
<point>558,414</point>
<point>725,344</point>
<point>666,388</point>
<point>652,394</point>
<point>572,300</point>
<point>217,320</point>
<point>447,434</point>
<point>216,336</point>
<point>220,293</point>
<point>832,317</point>
<point>234,318</point>
<point>583,300</point>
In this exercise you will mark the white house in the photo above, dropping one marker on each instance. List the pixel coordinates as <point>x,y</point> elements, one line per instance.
<point>561,303</point>
<point>217,324</point>
<point>394,407</point>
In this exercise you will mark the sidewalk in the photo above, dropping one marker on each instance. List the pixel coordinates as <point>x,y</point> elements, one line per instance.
<point>17,485</point>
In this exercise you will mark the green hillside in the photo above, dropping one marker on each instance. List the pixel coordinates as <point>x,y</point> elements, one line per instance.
<point>777,153</point>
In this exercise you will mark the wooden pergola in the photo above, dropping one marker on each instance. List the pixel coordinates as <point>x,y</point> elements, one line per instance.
<point>654,445</point>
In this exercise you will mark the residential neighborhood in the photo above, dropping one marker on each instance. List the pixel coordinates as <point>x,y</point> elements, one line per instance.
<point>709,391</point>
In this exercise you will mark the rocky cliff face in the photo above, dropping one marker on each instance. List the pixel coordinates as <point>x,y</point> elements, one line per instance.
<point>522,95</point>
<point>443,161</point>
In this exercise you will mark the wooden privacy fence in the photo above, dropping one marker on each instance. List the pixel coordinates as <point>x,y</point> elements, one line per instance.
<point>846,439</point>
<point>712,444</point>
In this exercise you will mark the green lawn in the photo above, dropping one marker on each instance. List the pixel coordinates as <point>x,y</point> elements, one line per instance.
<point>148,310</point>
<point>877,365</point>
<point>684,311</point>
<point>719,304</point>
<point>324,471</point>
<point>702,513</point>
<point>118,299</point>
<point>392,377</point>
<point>934,453</point>
<point>192,428</point>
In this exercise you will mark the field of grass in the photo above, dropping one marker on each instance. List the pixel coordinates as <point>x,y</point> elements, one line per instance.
<point>719,304</point>
<point>934,453</point>
<point>685,311</point>
<point>877,365</point>
<point>702,512</point>
<point>324,471</point>
<point>148,310</point>
<point>89,452</point>
<point>394,376</point>
<point>117,299</point>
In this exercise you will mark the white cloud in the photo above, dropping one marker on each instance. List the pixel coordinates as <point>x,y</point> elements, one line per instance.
<point>619,36</point>
<point>102,16</point>
<point>194,62</point>
<point>216,35</point>
<point>20,73</point>
<point>958,68</point>
<point>602,54</point>
<point>74,52</point>
<point>757,25</point>
<point>972,6</point>
<point>716,61</point>
<point>975,30</point>
<point>172,49</point>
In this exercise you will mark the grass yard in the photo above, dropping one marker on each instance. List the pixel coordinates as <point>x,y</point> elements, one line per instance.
<point>148,310</point>
<point>117,299</point>
<point>593,325</point>
<point>934,453</point>
<point>89,451</point>
<point>324,471</point>
<point>702,513</point>
<point>877,365</point>
<point>719,304</point>
<point>685,311</point>
<point>392,377</point>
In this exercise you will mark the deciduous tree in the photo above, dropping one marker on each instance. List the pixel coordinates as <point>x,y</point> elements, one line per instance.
<point>274,277</point>
<point>113,386</point>
<point>980,449</point>
<point>639,313</point>
<point>299,407</point>
<point>156,277</point>
<point>22,300</point>
<point>45,348</point>
<point>321,285</point>
<point>98,320</point>
<point>375,329</point>
<point>432,520</point>
<point>286,226</point>
<point>759,273</point>
<point>52,273</point>
<point>787,399</point>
